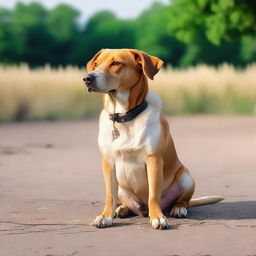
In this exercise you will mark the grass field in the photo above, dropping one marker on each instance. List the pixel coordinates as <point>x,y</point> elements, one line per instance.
<point>48,93</point>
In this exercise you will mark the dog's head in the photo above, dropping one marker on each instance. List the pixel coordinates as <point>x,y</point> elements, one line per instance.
<point>119,69</point>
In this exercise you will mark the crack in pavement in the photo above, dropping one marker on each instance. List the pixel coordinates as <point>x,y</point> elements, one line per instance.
<point>28,228</point>
<point>44,224</point>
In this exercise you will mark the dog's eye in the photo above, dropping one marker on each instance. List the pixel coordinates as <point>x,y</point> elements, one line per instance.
<point>115,63</point>
<point>95,64</point>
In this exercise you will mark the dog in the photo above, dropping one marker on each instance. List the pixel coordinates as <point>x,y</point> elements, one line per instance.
<point>142,171</point>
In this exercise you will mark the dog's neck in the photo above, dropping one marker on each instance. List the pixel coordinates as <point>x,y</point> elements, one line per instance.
<point>125,100</point>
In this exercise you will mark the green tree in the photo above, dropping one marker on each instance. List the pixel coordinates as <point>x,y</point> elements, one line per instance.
<point>63,28</point>
<point>214,31</point>
<point>218,20</point>
<point>62,22</point>
<point>201,51</point>
<point>105,30</point>
<point>9,46</point>
<point>248,50</point>
<point>30,29</point>
<point>153,37</point>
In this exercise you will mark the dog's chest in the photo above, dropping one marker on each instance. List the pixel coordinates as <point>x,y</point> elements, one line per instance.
<point>138,139</point>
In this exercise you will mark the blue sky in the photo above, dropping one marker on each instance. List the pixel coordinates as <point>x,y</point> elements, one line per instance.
<point>123,9</point>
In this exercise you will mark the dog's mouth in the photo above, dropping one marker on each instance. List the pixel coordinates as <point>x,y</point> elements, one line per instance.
<point>92,88</point>
<point>112,91</point>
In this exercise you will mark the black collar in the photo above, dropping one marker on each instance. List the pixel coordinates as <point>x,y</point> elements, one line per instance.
<point>131,114</point>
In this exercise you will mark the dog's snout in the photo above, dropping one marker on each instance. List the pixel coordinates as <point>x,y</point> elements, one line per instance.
<point>89,79</point>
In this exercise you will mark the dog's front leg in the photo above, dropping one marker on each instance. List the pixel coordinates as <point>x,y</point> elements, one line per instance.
<point>106,218</point>
<point>155,178</point>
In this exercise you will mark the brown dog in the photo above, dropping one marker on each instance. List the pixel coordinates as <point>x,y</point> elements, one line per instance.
<point>139,160</point>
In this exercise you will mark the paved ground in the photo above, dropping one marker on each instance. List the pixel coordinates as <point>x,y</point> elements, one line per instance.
<point>51,187</point>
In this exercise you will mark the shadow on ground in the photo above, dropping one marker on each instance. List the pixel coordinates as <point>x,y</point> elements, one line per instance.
<point>225,211</point>
<point>242,210</point>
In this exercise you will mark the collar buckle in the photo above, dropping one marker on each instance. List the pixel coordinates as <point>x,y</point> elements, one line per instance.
<point>130,115</point>
<point>114,117</point>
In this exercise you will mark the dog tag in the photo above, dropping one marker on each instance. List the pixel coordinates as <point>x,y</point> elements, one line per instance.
<point>115,133</point>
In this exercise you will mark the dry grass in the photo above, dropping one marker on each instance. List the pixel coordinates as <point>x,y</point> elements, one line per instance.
<point>205,89</point>
<point>44,93</point>
<point>48,93</point>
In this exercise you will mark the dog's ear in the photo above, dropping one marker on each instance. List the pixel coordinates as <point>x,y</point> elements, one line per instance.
<point>149,64</point>
<point>90,64</point>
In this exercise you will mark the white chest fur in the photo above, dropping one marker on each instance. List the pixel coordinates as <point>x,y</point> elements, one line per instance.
<point>138,138</point>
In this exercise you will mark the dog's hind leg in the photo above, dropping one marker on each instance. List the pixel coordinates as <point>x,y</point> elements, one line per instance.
<point>130,204</point>
<point>179,194</point>
<point>187,186</point>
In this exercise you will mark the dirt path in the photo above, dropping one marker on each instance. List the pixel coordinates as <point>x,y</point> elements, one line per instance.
<point>51,187</point>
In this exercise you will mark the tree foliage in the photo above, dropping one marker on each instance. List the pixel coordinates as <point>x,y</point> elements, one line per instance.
<point>186,32</point>
<point>218,20</point>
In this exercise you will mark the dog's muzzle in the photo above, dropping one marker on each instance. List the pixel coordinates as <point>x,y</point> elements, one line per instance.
<point>90,82</point>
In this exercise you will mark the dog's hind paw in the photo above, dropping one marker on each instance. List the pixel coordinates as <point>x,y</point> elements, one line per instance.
<point>179,212</point>
<point>102,222</point>
<point>160,223</point>
<point>122,211</point>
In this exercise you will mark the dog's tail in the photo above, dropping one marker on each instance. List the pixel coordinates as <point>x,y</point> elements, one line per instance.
<point>205,200</point>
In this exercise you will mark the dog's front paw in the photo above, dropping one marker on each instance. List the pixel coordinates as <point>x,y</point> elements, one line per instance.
<point>102,222</point>
<point>160,223</point>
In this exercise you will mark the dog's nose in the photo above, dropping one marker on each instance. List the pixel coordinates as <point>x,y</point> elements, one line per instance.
<point>89,79</point>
